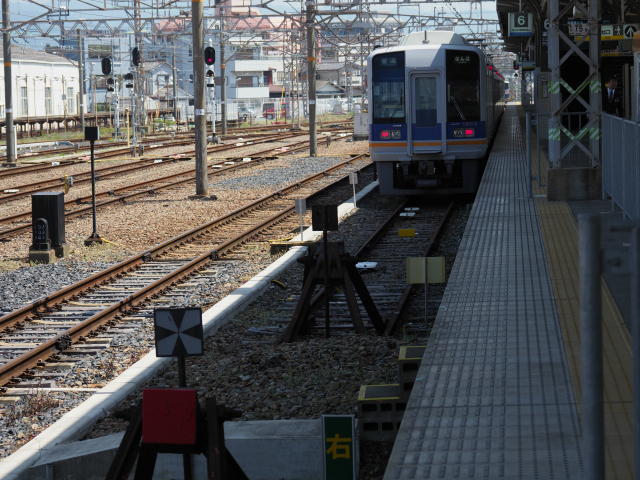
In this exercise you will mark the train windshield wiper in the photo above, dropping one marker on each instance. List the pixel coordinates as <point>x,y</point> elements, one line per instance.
<point>457,107</point>
<point>400,103</point>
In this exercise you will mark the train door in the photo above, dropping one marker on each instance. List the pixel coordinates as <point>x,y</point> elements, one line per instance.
<point>426,132</point>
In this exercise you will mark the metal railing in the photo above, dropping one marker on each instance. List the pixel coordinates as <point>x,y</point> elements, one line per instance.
<point>620,164</point>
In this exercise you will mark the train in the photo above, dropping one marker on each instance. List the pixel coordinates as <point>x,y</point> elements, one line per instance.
<point>435,103</point>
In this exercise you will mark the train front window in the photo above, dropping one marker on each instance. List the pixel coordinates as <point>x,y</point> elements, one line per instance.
<point>426,102</point>
<point>463,86</point>
<point>388,88</point>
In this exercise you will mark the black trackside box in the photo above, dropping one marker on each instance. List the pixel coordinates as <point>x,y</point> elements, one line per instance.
<point>50,206</point>
<point>91,133</point>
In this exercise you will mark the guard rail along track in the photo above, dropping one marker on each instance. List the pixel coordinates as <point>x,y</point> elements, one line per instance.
<point>229,230</point>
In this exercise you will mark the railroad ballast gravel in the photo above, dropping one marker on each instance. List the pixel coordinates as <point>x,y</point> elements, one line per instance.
<point>146,220</point>
<point>24,285</point>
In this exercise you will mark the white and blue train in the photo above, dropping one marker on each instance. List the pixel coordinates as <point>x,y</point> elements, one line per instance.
<point>434,105</point>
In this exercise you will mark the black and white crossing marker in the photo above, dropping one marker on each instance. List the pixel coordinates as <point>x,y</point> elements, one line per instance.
<point>178,332</point>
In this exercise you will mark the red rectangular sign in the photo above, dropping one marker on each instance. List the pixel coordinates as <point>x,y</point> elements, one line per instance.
<point>169,416</point>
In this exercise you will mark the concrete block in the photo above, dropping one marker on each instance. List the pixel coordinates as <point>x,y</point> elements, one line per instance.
<point>266,450</point>
<point>88,460</point>
<point>380,412</point>
<point>8,399</point>
<point>409,360</point>
<point>565,184</point>
<point>42,256</point>
<point>62,250</point>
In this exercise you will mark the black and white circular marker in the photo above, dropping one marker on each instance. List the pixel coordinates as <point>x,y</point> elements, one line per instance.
<point>178,332</point>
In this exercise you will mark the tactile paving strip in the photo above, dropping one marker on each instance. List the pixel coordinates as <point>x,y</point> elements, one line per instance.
<point>493,396</point>
<point>560,233</point>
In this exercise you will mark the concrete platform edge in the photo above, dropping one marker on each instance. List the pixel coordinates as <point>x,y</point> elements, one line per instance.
<point>75,423</point>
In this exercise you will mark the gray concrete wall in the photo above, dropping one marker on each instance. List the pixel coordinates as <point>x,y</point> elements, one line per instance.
<point>266,450</point>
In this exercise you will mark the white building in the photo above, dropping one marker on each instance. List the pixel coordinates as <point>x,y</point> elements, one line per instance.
<point>39,82</point>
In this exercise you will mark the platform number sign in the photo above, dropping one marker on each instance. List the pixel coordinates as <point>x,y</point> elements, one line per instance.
<point>339,440</point>
<point>520,24</point>
<point>178,332</point>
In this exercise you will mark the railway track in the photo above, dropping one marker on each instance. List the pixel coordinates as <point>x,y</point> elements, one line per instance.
<point>380,244</point>
<point>150,144</point>
<point>81,145</point>
<point>118,195</point>
<point>107,172</point>
<point>49,326</point>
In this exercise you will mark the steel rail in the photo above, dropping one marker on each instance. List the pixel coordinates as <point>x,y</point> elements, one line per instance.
<point>409,289</point>
<point>30,359</point>
<point>265,155</point>
<point>363,250</point>
<point>127,168</point>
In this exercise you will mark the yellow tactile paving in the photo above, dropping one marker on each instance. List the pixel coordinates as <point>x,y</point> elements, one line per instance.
<point>560,234</point>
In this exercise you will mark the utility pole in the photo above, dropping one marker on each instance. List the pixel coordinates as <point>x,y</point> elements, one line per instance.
<point>175,86</point>
<point>199,117</point>
<point>8,94</point>
<point>81,81</point>
<point>311,78</point>
<point>223,74</point>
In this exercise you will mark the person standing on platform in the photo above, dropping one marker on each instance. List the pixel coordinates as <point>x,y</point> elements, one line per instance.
<point>612,98</point>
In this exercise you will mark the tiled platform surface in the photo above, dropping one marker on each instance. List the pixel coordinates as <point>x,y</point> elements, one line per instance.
<point>493,397</point>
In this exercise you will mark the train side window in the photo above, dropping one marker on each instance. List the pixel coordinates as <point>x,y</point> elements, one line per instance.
<point>463,86</point>
<point>388,88</point>
<point>426,102</point>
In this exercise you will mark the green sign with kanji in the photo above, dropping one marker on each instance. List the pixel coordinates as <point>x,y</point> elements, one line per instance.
<point>338,433</point>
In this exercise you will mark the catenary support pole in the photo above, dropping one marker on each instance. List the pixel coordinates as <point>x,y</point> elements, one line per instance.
<point>325,265</point>
<point>591,347</point>
<point>175,86</point>
<point>311,78</point>
<point>199,117</point>
<point>81,81</point>
<point>8,94</point>
<point>223,75</point>
<point>528,152</point>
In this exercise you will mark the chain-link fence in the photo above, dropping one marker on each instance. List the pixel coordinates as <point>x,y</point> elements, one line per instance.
<point>254,110</point>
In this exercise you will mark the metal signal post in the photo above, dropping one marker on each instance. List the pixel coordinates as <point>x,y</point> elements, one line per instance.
<point>200,119</point>
<point>8,94</point>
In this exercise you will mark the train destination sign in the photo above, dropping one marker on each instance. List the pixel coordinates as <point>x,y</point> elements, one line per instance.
<point>521,24</point>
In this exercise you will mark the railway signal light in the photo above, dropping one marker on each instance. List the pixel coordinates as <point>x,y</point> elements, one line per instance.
<point>135,56</point>
<point>109,81</point>
<point>106,66</point>
<point>515,65</point>
<point>209,55</point>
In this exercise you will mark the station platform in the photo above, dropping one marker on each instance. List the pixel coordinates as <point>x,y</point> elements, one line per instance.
<point>498,391</point>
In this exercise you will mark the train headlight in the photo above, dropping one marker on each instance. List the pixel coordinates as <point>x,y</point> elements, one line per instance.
<point>390,134</point>
<point>458,132</point>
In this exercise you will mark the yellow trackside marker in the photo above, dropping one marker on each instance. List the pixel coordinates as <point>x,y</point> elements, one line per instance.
<point>311,59</point>
<point>436,269</point>
<point>407,232</point>
<point>7,64</point>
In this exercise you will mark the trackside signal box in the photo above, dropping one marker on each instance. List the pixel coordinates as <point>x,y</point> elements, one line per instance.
<point>50,207</point>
